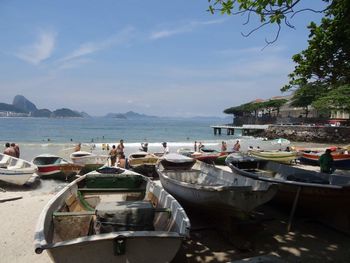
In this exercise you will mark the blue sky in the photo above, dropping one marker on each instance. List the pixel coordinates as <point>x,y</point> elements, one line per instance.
<point>165,58</point>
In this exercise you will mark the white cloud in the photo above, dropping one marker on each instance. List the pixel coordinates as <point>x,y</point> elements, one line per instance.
<point>40,50</point>
<point>92,47</point>
<point>188,27</point>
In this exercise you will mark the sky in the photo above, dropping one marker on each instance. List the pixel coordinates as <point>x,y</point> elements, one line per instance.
<point>163,58</point>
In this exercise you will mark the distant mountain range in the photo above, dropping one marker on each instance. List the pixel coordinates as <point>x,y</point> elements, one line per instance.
<point>129,115</point>
<point>22,107</point>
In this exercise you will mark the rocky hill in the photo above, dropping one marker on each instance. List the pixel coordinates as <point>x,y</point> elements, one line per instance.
<point>24,104</point>
<point>23,107</point>
<point>64,113</point>
<point>129,115</point>
<point>10,107</point>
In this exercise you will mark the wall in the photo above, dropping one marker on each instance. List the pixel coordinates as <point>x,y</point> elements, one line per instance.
<point>319,134</point>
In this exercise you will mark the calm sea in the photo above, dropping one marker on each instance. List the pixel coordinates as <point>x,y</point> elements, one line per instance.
<point>42,135</point>
<point>101,130</point>
<point>58,136</point>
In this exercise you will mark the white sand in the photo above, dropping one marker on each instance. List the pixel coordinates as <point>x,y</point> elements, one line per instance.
<point>18,220</point>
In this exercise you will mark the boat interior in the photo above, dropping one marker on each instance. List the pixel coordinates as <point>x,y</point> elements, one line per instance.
<point>291,173</point>
<point>205,175</point>
<point>49,160</point>
<point>104,205</point>
<point>11,163</point>
<point>4,160</point>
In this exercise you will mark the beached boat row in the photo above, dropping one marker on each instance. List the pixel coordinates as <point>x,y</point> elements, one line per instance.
<point>121,213</point>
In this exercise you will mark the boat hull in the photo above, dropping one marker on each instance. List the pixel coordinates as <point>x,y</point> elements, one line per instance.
<point>15,171</point>
<point>276,156</point>
<point>322,196</point>
<point>59,172</point>
<point>340,161</point>
<point>143,163</point>
<point>139,248</point>
<point>206,186</point>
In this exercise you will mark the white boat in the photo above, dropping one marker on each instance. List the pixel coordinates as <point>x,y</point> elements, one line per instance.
<point>130,220</point>
<point>55,167</point>
<point>212,188</point>
<point>174,161</point>
<point>14,170</point>
<point>90,161</point>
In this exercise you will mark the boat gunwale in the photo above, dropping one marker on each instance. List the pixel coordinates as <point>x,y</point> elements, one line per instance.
<point>282,181</point>
<point>208,188</point>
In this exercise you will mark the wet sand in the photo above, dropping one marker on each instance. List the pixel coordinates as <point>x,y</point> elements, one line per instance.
<point>309,241</point>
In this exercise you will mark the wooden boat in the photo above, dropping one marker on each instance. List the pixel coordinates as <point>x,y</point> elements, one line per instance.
<point>14,170</point>
<point>143,162</point>
<point>173,161</point>
<point>55,167</point>
<point>89,160</point>
<point>114,215</point>
<point>322,195</point>
<point>340,160</point>
<point>185,151</point>
<point>207,187</point>
<point>276,156</point>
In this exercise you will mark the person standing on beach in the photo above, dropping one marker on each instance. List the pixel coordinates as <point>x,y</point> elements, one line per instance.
<point>9,150</point>
<point>16,148</point>
<point>77,147</point>
<point>223,146</point>
<point>237,146</point>
<point>113,155</point>
<point>326,162</point>
<point>144,146</point>
<point>200,146</point>
<point>120,148</point>
<point>165,148</point>
<point>122,161</point>
<point>195,146</point>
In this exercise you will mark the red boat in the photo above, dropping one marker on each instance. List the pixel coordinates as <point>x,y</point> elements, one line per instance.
<point>341,160</point>
<point>55,167</point>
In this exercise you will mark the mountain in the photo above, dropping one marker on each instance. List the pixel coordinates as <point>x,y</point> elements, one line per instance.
<point>83,114</point>
<point>116,115</point>
<point>63,113</point>
<point>134,115</point>
<point>10,107</point>
<point>42,113</point>
<point>24,104</point>
<point>129,115</point>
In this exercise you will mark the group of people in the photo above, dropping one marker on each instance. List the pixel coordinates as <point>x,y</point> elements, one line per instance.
<point>117,154</point>
<point>236,147</point>
<point>12,149</point>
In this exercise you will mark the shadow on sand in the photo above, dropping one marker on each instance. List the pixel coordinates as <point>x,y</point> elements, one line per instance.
<point>266,234</point>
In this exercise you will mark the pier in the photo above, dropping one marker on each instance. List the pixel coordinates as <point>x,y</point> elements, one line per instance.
<point>246,129</point>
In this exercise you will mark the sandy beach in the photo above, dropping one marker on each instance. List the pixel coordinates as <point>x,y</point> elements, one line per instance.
<point>309,241</point>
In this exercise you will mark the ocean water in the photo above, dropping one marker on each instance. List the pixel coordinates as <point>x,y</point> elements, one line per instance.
<point>58,136</point>
<point>101,130</point>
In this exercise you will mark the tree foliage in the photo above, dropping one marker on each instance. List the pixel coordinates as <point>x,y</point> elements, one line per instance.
<point>326,61</point>
<point>255,107</point>
<point>269,11</point>
<point>337,98</point>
